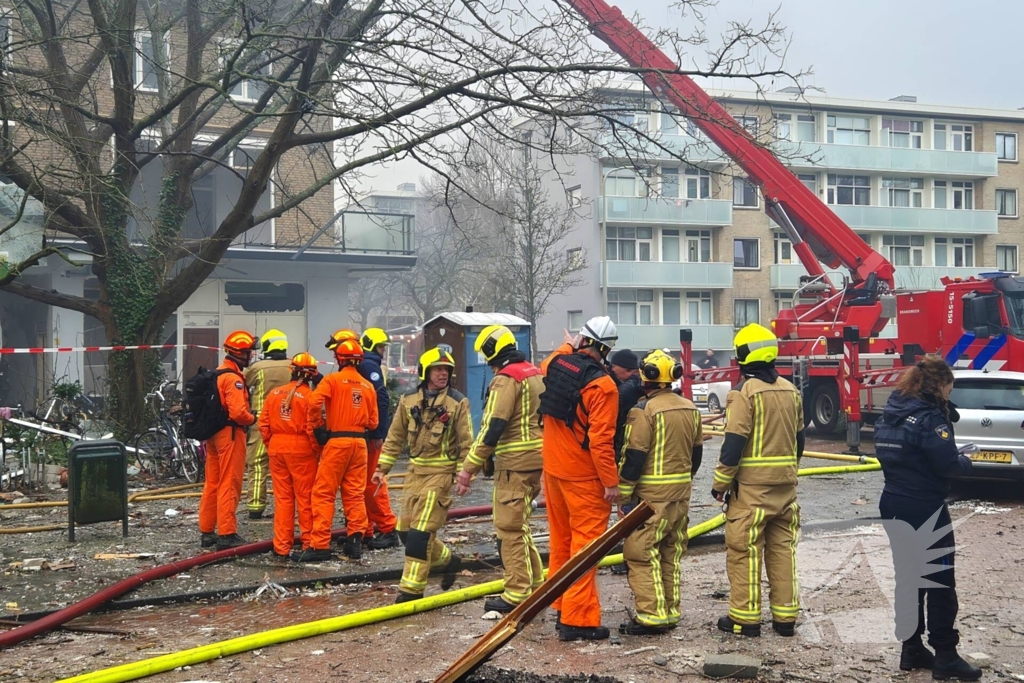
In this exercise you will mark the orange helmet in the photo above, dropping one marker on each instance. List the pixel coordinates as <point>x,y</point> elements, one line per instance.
<point>304,364</point>
<point>239,346</point>
<point>340,336</point>
<point>348,350</point>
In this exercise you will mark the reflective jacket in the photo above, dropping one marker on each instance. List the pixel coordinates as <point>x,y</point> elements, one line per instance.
<point>764,424</point>
<point>510,428</point>
<point>663,439</point>
<point>914,442</point>
<point>264,376</point>
<point>345,402</point>
<point>437,431</point>
<point>283,421</point>
<point>372,370</point>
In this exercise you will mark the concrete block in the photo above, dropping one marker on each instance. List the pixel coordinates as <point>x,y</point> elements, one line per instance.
<point>731,666</point>
<point>979,659</point>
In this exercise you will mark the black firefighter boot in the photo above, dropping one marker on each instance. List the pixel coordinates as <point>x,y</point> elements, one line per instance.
<point>451,572</point>
<point>950,666</point>
<point>915,655</point>
<point>353,547</point>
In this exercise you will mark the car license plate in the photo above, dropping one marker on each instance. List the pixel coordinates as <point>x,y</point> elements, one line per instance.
<point>992,456</point>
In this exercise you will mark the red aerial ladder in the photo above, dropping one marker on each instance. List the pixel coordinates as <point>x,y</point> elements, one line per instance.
<point>974,323</point>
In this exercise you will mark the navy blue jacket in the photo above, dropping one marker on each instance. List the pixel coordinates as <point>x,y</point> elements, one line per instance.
<point>914,443</point>
<point>370,369</point>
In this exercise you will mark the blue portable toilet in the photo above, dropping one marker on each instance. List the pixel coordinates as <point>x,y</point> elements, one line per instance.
<point>456,333</point>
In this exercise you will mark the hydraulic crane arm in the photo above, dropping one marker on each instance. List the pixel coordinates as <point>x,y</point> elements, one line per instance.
<point>818,235</point>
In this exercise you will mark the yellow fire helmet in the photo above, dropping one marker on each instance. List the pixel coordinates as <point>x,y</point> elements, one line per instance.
<point>658,367</point>
<point>434,357</point>
<point>756,344</point>
<point>372,338</point>
<point>274,340</point>
<point>492,340</point>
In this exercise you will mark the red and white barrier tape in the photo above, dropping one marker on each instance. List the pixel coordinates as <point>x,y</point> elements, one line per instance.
<point>137,347</point>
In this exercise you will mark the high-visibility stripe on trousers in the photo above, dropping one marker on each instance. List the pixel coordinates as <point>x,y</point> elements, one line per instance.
<point>577,514</point>
<point>763,534</point>
<point>257,462</point>
<point>225,467</point>
<point>378,500</point>
<point>513,505</point>
<point>653,553</point>
<point>424,512</point>
<point>293,475</point>
<point>342,465</point>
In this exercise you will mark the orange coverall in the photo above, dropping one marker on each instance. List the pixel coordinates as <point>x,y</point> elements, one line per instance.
<point>293,459</point>
<point>574,483</point>
<point>351,408</point>
<point>225,456</point>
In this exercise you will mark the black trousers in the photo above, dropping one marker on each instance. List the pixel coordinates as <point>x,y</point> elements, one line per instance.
<point>912,568</point>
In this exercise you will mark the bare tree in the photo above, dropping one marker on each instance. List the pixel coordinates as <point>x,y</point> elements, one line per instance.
<point>92,94</point>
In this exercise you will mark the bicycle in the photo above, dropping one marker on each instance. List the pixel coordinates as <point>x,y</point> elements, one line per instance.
<point>164,447</point>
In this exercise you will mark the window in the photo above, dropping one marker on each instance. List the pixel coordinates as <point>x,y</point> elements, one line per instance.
<point>982,394</point>
<point>671,309</point>
<point>783,301</point>
<point>698,246</point>
<point>265,297</point>
<point>631,306</point>
<point>1006,146</point>
<point>784,252</point>
<point>902,133</point>
<point>698,183</point>
<point>744,193</point>
<point>749,124</point>
<point>247,63</point>
<point>810,181</point>
<point>6,18</point>
<point>670,245</point>
<point>954,136</point>
<point>626,182</point>
<point>866,237</point>
<point>746,311</point>
<point>954,195</point>
<point>1006,257</point>
<point>849,130</point>
<point>574,258</point>
<point>575,320</point>
<point>904,250</point>
<point>698,308</point>
<point>670,182</point>
<point>628,244</point>
<point>1006,203</point>
<point>795,127</point>
<point>957,252</point>
<point>849,189</point>
<point>674,123</point>
<point>525,140</point>
<point>903,192</point>
<point>146,67</point>
<point>746,253</point>
<point>574,195</point>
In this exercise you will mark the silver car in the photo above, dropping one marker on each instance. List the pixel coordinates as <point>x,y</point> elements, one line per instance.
<point>991,407</point>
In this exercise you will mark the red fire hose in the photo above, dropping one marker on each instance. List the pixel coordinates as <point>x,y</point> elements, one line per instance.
<point>97,600</point>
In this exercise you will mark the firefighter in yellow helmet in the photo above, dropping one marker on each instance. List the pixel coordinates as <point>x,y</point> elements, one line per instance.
<point>273,370</point>
<point>508,445</point>
<point>662,450</point>
<point>756,478</point>
<point>433,423</point>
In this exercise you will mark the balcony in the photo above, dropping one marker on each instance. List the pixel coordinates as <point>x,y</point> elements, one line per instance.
<point>941,221</point>
<point>787,276</point>
<point>668,274</point>
<point>644,337</point>
<point>932,162</point>
<point>627,145</point>
<point>651,211</point>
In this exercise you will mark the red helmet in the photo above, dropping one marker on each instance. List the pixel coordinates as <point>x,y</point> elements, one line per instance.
<point>348,350</point>
<point>304,364</point>
<point>240,345</point>
<point>340,336</point>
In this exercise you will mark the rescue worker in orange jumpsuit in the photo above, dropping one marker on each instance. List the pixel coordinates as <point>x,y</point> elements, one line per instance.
<point>378,499</point>
<point>433,423</point>
<point>271,371</point>
<point>225,450</point>
<point>294,454</point>
<point>579,406</point>
<point>341,412</point>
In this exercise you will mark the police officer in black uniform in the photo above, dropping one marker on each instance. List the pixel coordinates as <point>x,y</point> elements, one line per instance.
<point>915,445</point>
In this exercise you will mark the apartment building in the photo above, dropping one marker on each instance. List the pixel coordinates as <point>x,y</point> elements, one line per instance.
<point>933,188</point>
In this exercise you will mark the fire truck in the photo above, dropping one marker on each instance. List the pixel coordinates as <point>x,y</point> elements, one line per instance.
<point>829,343</point>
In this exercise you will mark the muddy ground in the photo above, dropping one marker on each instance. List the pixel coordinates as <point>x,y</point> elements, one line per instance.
<point>845,632</point>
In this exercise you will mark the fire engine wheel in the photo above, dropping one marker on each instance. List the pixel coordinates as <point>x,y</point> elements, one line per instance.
<point>825,408</point>
<point>714,405</point>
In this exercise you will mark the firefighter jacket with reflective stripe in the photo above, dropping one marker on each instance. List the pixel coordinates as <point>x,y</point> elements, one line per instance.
<point>264,376</point>
<point>344,402</point>
<point>510,428</point>
<point>660,436</point>
<point>769,416</point>
<point>438,431</point>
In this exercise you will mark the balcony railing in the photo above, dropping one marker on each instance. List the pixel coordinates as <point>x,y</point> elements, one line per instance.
<point>787,276</point>
<point>645,337</point>
<point>959,221</point>
<point>933,162</point>
<point>628,145</point>
<point>668,274</point>
<point>389,233</point>
<point>705,212</point>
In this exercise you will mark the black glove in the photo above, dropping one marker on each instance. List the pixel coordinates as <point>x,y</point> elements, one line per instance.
<point>718,495</point>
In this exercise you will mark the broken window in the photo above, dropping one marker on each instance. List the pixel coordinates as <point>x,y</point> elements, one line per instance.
<point>265,297</point>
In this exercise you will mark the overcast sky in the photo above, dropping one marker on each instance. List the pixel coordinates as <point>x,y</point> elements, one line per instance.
<point>942,51</point>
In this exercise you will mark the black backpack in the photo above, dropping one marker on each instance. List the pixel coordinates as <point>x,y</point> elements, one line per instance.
<point>204,414</point>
